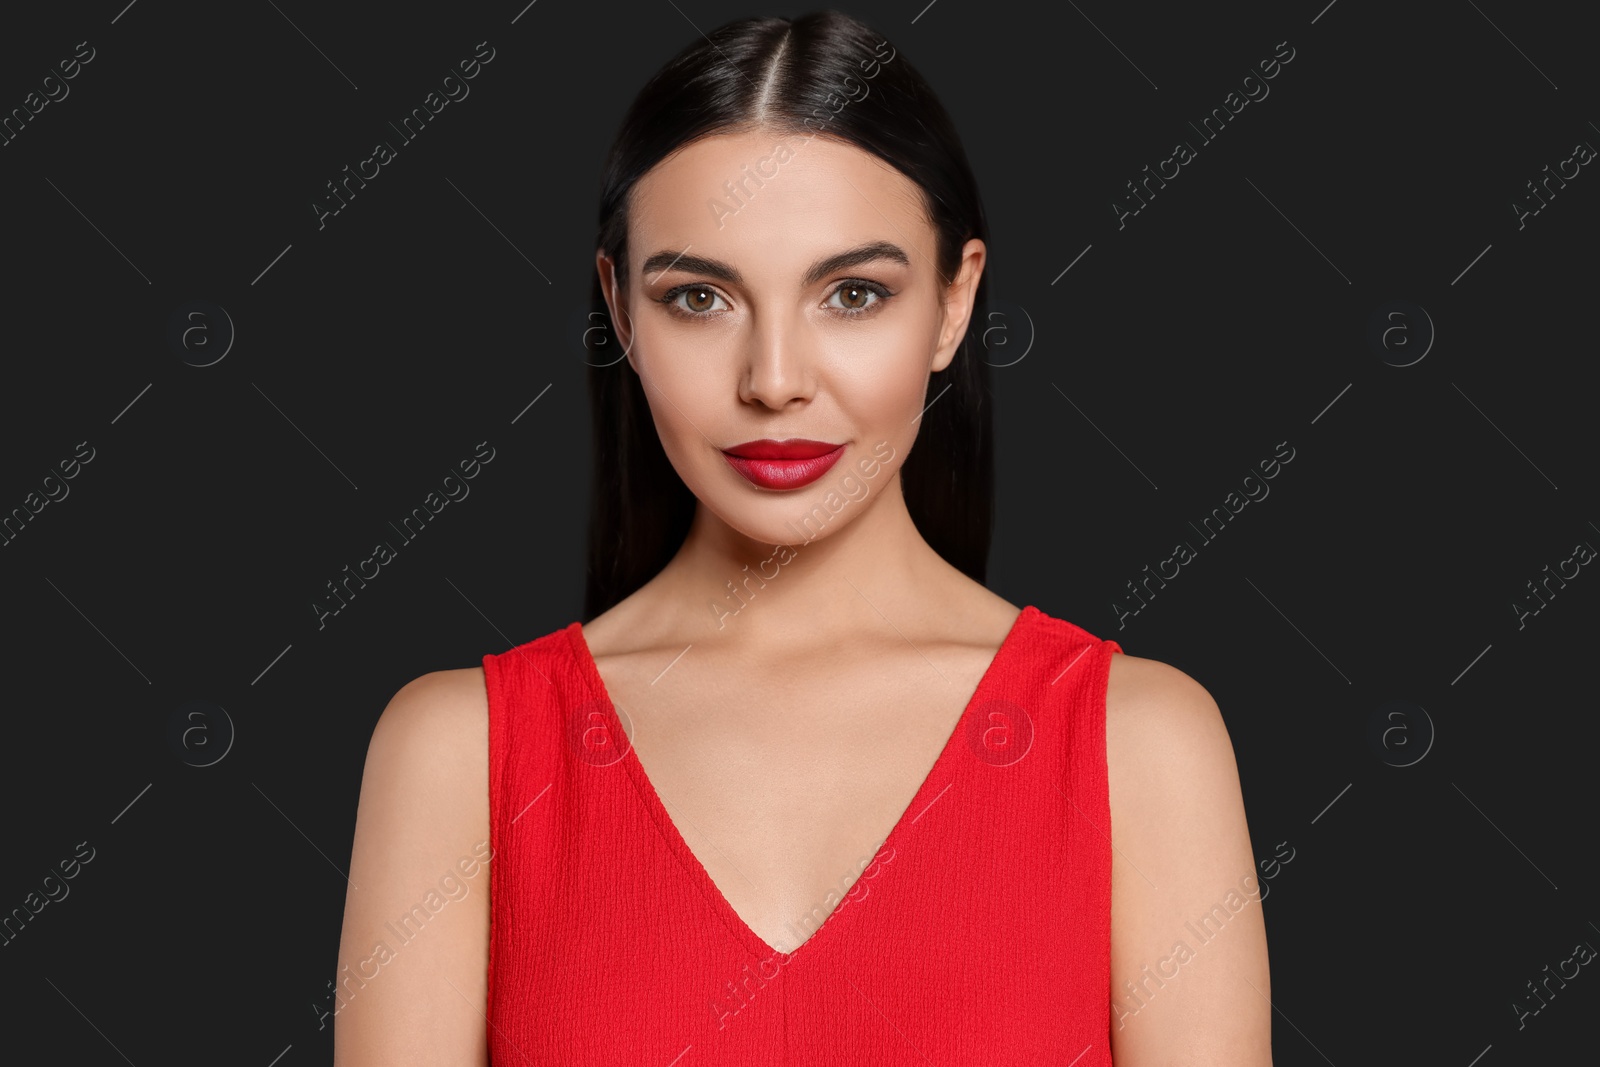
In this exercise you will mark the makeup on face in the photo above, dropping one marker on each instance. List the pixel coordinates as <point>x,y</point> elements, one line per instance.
<point>772,346</point>
<point>788,464</point>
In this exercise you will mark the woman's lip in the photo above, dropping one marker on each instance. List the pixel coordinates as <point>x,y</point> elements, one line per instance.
<point>792,448</point>
<point>783,473</point>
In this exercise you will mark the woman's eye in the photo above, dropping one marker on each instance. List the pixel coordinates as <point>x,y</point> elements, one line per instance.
<point>851,298</point>
<point>696,299</point>
<point>854,297</point>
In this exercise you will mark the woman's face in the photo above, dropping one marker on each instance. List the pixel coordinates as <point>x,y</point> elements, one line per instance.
<point>779,288</point>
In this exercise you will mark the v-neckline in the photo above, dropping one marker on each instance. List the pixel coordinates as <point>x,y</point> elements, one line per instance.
<point>686,857</point>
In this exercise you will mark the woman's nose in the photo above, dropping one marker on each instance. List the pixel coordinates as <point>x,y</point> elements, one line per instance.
<point>778,362</point>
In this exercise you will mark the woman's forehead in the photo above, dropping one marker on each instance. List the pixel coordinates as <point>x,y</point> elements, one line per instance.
<point>771,203</point>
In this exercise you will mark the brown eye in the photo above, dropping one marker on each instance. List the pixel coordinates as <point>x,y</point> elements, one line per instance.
<point>695,300</point>
<point>853,298</point>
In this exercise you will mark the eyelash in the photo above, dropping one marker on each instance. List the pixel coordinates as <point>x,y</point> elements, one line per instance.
<point>670,298</point>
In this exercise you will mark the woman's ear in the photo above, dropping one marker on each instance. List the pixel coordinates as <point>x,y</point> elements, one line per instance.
<point>616,303</point>
<point>958,300</point>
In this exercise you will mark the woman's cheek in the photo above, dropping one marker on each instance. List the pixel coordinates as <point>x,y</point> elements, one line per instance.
<point>888,393</point>
<point>666,394</point>
<point>676,375</point>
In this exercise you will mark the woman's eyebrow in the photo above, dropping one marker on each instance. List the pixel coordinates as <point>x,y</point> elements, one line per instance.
<point>713,268</point>
<point>855,257</point>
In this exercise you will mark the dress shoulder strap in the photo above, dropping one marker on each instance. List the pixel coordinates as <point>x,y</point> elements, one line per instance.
<point>534,692</point>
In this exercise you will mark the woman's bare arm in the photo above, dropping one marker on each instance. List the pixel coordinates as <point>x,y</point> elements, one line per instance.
<point>1188,943</point>
<point>413,953</point>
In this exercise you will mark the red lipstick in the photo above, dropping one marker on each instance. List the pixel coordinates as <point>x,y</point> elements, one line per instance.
<point>783,464</point>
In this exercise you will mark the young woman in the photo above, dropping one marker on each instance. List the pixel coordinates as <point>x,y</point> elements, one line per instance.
<point>801,789</point>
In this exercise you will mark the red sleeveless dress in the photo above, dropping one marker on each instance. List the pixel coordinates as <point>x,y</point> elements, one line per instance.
<point>979,933</point>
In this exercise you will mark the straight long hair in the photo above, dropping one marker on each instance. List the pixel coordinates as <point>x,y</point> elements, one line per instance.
<point>824,74</point>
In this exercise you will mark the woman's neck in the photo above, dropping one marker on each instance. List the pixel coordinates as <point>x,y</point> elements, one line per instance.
<point>722,581</point>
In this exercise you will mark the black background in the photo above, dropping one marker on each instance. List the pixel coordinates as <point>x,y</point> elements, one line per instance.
<point>1230,315</point>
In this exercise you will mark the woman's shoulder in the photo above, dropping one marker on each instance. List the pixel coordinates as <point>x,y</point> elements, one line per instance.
<point>1166,743</point>
<point>1155,707</point>
<point>423,810</point>
<point>1150,689</point>
<point>425,781</point>
<point>435,725</point>
<point>447,711</point>
<point>438,700</point>
<point>1181,849</point>
<point>1146,700</point>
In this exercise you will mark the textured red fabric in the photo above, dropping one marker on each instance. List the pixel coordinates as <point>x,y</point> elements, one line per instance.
<point>979,933</point>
